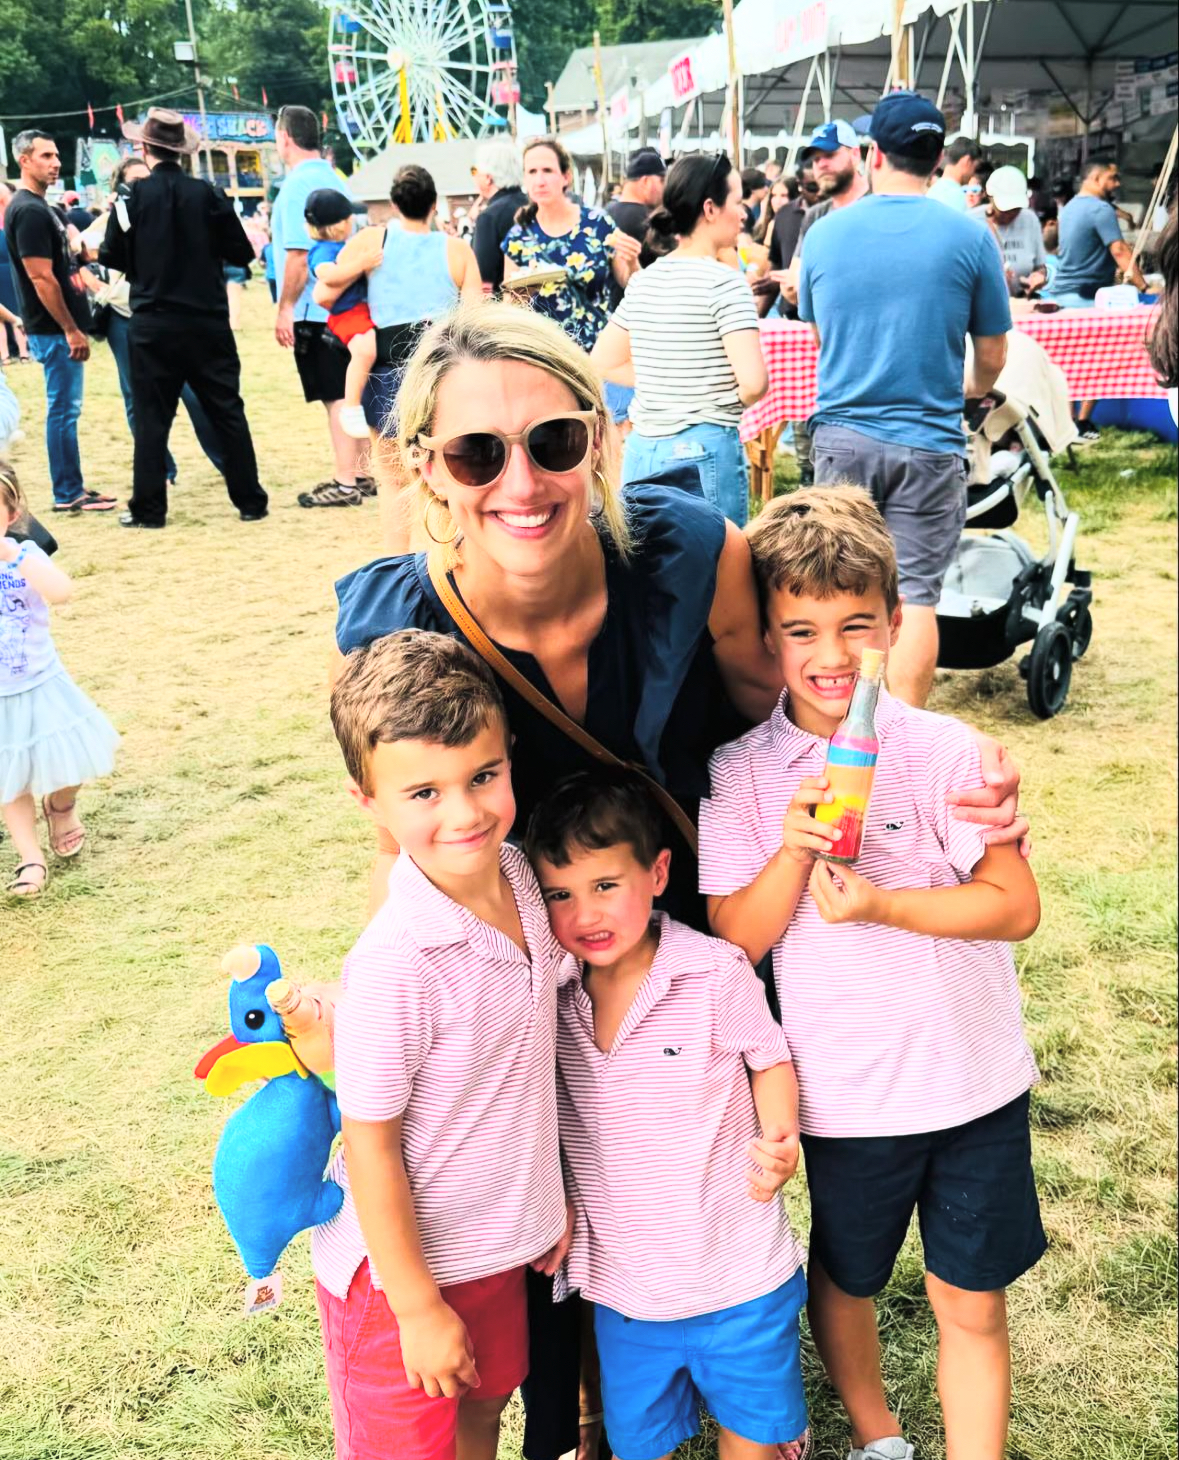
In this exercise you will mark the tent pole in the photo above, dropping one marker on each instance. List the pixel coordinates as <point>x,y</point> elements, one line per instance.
<point>951,46</point>
<point>978,55</point>
<point>801,114</point>
<point>931,21</point>
<point>969,123</point>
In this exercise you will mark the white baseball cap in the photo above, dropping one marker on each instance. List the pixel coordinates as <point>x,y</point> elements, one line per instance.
<point>1007,188</point>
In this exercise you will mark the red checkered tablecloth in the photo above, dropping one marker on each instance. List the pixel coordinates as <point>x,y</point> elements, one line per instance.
<point>1101,351</point>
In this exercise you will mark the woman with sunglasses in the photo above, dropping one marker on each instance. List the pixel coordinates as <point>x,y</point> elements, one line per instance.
<point>637,620</point>
<point>685,336</point>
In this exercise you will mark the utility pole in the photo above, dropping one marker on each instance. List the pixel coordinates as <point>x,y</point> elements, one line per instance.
<point>733,96</point>
<point>550,106</point>
<point>601,87</point>
<point>200,89</point>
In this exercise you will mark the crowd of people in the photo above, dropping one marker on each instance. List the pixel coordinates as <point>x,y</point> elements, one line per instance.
<point>568,1107</point>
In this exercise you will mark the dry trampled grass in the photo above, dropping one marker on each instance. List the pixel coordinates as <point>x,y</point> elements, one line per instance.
<point>226,821</point>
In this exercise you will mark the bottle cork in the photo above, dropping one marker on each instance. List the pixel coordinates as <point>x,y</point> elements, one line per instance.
<point>872,663</point>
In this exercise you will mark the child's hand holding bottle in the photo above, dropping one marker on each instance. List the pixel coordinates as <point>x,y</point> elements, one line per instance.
<point>804,838</point>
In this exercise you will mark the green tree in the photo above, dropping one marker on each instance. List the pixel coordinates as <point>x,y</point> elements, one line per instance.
<point>628,22</point>
<point>279,46</point>
<point>546,31</point>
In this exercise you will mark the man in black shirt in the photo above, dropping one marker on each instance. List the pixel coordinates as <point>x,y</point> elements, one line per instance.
<point>642,193</point>
<point>498,174</point>
<point>171,238</point>
<point>56,314</point>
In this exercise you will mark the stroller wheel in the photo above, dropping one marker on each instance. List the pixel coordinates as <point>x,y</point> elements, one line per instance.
<point>1050,670</point>
<point>1079,623</point>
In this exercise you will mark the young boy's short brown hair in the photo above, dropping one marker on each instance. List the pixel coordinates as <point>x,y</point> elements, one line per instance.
<point>822,541</point>
<point>412,685</point>
<point>592,811</point>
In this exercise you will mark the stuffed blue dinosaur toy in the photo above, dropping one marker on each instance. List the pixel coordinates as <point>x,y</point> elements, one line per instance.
<point>268,1170</point>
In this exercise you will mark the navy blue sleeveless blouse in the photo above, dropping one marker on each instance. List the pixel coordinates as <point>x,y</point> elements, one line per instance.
<point>654,695</point>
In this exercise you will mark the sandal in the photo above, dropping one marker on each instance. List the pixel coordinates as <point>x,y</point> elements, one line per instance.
<point>26,887</point>
<point>330,494</point>
<point>71,842</point>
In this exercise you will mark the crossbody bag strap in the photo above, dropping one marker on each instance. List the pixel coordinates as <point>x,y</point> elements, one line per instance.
<point>478,640</point>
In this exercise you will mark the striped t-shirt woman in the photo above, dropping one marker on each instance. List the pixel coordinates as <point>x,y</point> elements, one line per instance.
<point>677,313</point>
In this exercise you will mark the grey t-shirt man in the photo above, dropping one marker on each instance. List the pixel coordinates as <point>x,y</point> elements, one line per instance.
<point>1088,226</point>
<point>1021,242</point>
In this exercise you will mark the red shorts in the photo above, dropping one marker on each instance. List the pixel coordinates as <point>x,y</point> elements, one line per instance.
<point>376,1414</point>
<point>353,322</point>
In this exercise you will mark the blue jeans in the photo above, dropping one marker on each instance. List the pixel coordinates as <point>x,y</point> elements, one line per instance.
<point>63,406</point>
<point>715,451</point>
<point>119,339</point>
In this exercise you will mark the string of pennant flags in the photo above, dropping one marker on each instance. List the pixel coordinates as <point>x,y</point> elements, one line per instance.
<point>91,112</point>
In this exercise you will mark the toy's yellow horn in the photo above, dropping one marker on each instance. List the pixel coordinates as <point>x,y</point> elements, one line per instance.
<point>241,962</point>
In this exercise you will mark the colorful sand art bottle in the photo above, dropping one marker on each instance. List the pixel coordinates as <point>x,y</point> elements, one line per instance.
<point>851,763</point>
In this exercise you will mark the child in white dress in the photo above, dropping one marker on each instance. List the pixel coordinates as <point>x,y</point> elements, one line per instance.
<point>52,736</point>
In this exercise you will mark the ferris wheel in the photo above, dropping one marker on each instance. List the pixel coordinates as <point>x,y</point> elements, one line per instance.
<point>420,70</point>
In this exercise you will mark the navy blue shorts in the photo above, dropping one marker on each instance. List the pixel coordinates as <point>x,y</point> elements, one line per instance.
<point>972,1187</point>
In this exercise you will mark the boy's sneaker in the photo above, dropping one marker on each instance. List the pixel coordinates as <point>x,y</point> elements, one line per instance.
<point>330,494</point>
<point>366,486</point>
<point>1087,433</point>
<point>895,1447</point>
<point>353,422</point>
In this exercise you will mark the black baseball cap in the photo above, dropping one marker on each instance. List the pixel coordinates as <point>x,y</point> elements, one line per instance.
<point>326,206</point>
<point>646,163</point>
<point>908,125</point>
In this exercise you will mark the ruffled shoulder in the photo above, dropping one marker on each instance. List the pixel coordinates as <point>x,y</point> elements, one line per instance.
<point>668,585</point>
<point>385,595</point>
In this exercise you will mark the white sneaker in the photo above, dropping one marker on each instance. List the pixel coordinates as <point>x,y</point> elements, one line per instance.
<point>353,422</point>
<point>895,1447</point>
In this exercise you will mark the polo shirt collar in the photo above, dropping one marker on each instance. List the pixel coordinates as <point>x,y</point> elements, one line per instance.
<point>433,920</point>
<point>673,956</point>
<point>791,743</point>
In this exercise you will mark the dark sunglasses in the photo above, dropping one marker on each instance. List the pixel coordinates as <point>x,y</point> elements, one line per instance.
<point>479,458</point>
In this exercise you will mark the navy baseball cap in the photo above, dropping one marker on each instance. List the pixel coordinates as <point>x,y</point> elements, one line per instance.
<point>908,125</point>
<point>830,137</point>
<point>326,206</point>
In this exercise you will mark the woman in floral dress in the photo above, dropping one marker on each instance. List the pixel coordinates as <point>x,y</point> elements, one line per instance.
<point>554,230</point>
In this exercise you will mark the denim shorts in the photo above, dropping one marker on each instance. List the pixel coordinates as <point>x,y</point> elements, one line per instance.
<point>741,1363</point>
<point>618,399</point>
<point>716,453</point>
<point>971,1186</point>
<point>921,495</point>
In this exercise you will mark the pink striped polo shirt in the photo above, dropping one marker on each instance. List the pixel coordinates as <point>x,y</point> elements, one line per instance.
<point>445,1022</point>
<point>655,1136</point>
<point>892,1033</point>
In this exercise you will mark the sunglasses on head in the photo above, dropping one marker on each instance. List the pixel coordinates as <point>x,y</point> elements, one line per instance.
<point>479,458</point>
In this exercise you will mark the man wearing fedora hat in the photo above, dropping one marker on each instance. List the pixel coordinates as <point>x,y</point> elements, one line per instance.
<point>171,238</point>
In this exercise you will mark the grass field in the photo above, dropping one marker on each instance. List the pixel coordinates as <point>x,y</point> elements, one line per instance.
<point>227,821</point>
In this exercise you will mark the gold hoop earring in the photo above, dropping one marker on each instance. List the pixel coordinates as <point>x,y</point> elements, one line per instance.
<point>600,492</point>
<point>440,541</point>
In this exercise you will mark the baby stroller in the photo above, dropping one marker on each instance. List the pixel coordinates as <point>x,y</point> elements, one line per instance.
<point>997,594</point>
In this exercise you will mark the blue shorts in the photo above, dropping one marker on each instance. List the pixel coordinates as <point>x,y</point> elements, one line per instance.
<point>972,1187</point>
<point>741,1363</point>
<point>618,399</point>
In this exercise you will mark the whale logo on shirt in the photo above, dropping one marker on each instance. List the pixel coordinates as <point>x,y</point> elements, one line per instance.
<point>667,1049</point>
<point>893,825</point>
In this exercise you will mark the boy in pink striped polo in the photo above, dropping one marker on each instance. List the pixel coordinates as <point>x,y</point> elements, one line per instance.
<point>895,980</point>
<point>678,1119</point>
<point>445,1048</point>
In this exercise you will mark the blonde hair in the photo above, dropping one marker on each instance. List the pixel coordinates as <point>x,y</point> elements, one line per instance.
<point>488,333</point>
<point>412,685</point>
<point>822,541</point>
<point>331,232</point>
<point>11,496</point>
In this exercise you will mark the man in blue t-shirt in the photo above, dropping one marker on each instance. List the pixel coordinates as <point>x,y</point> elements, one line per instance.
<point>1092,249</point>
<point>300,323</point>
<point>893,287</point>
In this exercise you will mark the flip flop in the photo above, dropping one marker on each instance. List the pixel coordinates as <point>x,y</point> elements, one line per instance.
<point>18,882</point>
<point>50,811</point>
